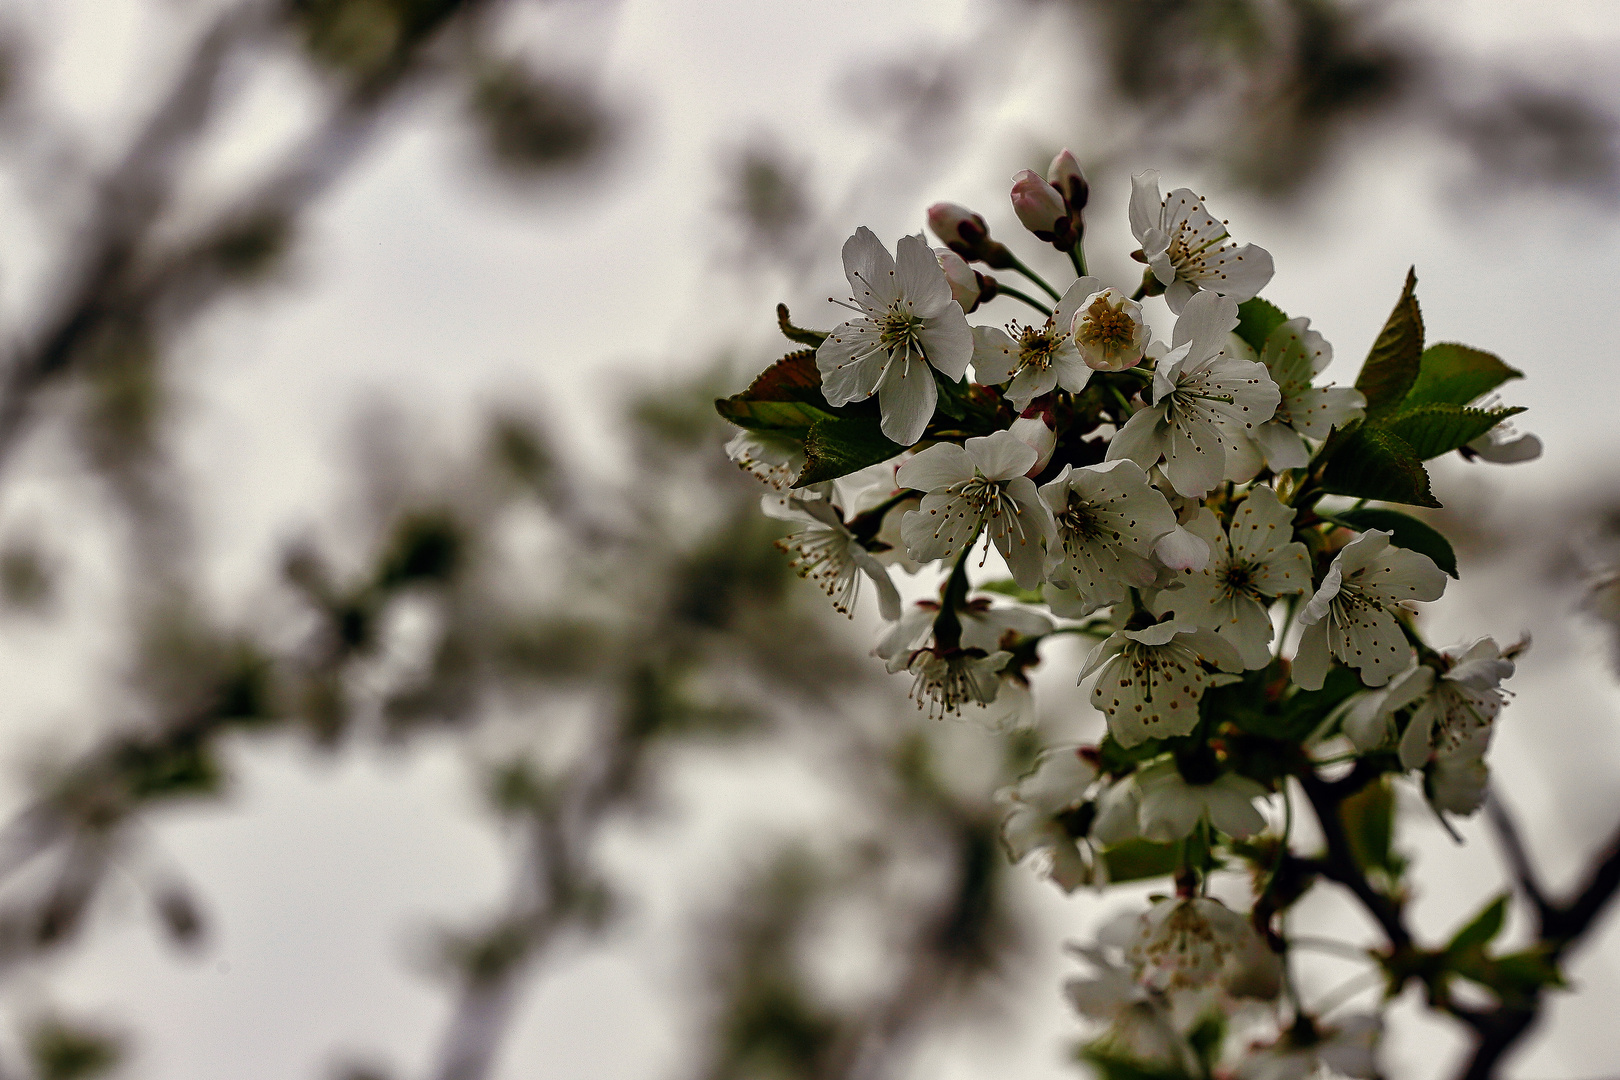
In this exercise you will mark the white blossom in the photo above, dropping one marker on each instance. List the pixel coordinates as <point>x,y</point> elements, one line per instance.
<point>1107,519</point>
<point>906,321</point>
<point>1150,681</point>
<point>1249,566</point>
<point>1109,330</point>
<point>1294,354</point>
<point>1352,614</point>
<point>1141,1022</point>
<point>993,629</point>
<point>1460,707</point>
<point>768,456</point>
<point>1040,813</point>
<point>1456,783</point>
<point>1171,807</point>
<point>1182,945</point>
<point>1033,360</point>
<point>1368,718</point>
<point>969,680</point>
<point>1503,445</point>
<point>1346,1048</point>
<point>979,484</point>
<point>1202,401</point>
<point>946,680</point>
<point>1189,250</point>
<point>827,553</point>
<point>1119,806</point>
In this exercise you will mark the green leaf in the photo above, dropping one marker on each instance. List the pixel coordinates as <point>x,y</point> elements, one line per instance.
<point>771,415</point>
<point>1115,759</point>
<point>1137,860</point>
<point>1408,532</point>
<point>1481,929</point>
<point>1369,823</point>
<point>1110,1065</point>
<point>952,396</point>
<point>1306,709</point>
<point>1392,365</point>
<point>1456,375</point>
<point>785,397</point>
<point>1432,430</point>
<point>1009,587</point>
<point>1257,318</point>
<point>812,338</point>
<point>839,445</point>
<point>1372,463</point>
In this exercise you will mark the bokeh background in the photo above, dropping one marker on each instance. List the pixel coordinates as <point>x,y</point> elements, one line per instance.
<point>397,681</point>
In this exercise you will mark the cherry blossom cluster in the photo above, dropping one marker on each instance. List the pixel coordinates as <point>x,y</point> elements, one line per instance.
<point>1218,520</point>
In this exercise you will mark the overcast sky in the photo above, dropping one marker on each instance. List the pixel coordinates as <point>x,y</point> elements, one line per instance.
<point>426,282</point>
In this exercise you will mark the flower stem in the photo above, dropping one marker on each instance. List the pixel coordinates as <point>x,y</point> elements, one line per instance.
<point>948,624</point>
<point>1077,255</point>
<point>1018,265</point>
<point>1008,290</point>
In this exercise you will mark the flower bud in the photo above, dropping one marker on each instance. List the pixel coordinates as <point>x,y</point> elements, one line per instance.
<point>963,279</point>
<point>965,233</point>
<point>1038,204</point>
<point>1065,175</point>
<point>1041,208</point>
<point>1034,429</point>
<point>957,226</point>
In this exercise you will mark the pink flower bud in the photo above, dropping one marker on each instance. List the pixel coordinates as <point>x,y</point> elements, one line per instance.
<point>964,280</point>
<point>1065,175</point>
<point>1035,432</point>
<point>1038,204</point>
<point>957,226</point>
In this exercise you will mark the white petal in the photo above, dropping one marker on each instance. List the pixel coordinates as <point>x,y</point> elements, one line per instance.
<point>1001,455</point>
<point>850,363</point>
<point>922,280</point>
<point>939,528</point>
<point>1142,439</point>
<point>948,342</point>
<point>1230,800</point>
<point>1147,208</point>
<point>1180,549</point>
<point>907,396</point>
<point>870,269</point>
<point>995,355</point>
<point>1074,298</point>
<point>939,466</point>
<point>1312,658</point>
<point>1205,322</point>
<point>1282,446</point>
<point>1239,273</point>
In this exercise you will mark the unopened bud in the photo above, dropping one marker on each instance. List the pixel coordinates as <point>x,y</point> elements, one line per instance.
<point>963,279</point>
<point>965,233</point>
<point>1034,429</point>
<point>1065,175</point>
<point>1040,207</point>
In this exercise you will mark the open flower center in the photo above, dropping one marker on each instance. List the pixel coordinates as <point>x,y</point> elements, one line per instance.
<point>1238,579</point>
<point>1079,520</point>
<point>1106,327</point>
<point>1036,345</point>
<point>900,329</point>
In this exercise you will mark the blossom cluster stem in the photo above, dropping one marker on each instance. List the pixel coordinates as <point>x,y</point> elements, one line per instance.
<point>1008,290</point>
<point>1018,265</point>
<point>1077,255</point>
